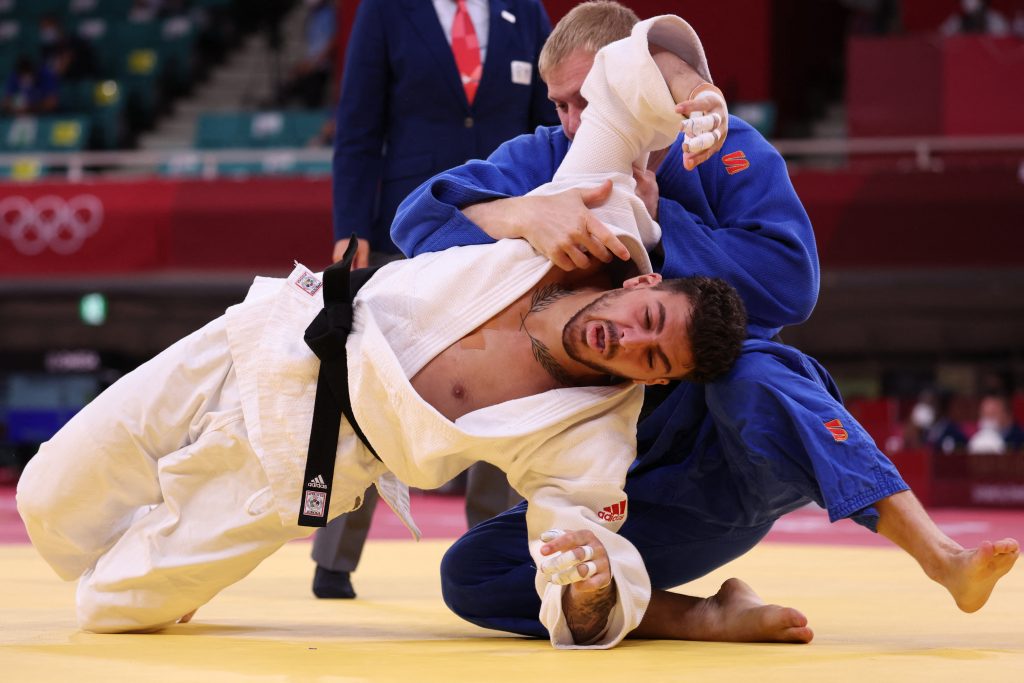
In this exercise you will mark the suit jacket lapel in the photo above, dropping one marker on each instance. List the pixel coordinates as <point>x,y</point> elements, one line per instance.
<point>499,36</point>
<point>423,17</point>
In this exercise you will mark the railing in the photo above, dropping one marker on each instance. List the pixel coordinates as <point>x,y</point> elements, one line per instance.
<point>75,166</point>
<point>190,162</point>
<point>923,150</point>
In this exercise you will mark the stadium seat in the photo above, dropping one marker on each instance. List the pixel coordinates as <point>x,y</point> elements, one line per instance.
<point>31,10</point>
<point>114,10</point>
<point>76,96</point>
<point>133,35</point>
<point>222,131</point>
<point>102,102</point>
<point>66,134</point>
<point>276,131</point>
<point>19,134</point>
<point>302,126</point>
<point>139,72</point>
<point>107,114</point>
<point>268,129</point>
<point>60,133</point>
<point>259,129</point>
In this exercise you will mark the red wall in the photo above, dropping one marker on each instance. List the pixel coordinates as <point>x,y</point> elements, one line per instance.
<point>862,219</point>
<point>926,84</point>
<point>928,15</point>
<point>111,227</point>
<point>737,39</point>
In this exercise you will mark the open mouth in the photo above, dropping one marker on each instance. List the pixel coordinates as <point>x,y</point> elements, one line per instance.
<point>600,338</point>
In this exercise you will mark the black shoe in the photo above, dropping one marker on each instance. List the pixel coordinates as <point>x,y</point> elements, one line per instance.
<point>330,584</point>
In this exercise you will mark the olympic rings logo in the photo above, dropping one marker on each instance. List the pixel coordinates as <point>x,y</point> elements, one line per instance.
<point>50,222</point>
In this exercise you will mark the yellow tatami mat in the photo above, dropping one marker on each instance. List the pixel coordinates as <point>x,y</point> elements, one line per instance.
<point>875,615</point>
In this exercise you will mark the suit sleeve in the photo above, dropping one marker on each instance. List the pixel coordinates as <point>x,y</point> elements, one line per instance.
<point>542,110</point>
<point>430,218</point>
<point>757,237</point>
<point>568,487</point>
<point>360,124</point>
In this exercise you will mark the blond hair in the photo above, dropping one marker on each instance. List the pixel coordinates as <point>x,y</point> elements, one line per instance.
<point>589,26</point>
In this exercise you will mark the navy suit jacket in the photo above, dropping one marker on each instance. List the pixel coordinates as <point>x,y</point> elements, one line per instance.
<point>403,115</point>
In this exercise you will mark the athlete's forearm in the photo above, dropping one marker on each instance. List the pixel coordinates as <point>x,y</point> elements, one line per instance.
<point>587,614</point>
<point>499,218</point>
<point>680,77</point>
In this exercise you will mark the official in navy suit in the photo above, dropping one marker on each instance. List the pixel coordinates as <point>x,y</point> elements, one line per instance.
<point>403,117</point>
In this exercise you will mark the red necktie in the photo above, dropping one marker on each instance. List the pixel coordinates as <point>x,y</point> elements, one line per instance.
<point>466,48</point>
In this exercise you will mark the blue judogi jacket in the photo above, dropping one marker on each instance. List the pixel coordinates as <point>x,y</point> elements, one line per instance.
<point>756,444</point>
<point>771,436</point>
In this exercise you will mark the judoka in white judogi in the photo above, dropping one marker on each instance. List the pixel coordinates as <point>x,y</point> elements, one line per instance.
<point>179,479</point>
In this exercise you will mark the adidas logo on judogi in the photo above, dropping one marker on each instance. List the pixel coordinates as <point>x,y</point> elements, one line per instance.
<point>317,482</point>
<point>613,513</point>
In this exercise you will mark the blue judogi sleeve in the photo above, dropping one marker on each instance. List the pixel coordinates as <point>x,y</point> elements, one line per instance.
<point>738,217</point>
<point>783,427</point>
<point>430,218</point>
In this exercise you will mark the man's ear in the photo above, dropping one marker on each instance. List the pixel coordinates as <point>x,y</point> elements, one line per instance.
<point>641,281</point>
<point>650,382</point>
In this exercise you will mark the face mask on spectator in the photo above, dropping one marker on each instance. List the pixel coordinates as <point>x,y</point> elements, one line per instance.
<point>922,416</point>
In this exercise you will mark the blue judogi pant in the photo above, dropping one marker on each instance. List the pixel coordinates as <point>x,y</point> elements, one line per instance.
<point>718,465</point>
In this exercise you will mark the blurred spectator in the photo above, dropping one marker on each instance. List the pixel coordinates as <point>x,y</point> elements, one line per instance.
<point>975,16</point>
<point>69,56</point>
<point>30,89</point>
<point>931,418</point>
<point>309,78</point>
<point>998,432</point>
<point>945,435</point>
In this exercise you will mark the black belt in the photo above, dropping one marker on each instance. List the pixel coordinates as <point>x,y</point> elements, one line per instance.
<point>326,336</point>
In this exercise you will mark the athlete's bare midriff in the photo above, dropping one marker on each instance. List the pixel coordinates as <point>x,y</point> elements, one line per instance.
<point>494,363</point>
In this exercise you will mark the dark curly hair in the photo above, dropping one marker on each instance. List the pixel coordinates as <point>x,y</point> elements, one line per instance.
<point>717,326</point>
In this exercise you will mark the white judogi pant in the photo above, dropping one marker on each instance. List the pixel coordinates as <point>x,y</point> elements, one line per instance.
<point>170,445</point>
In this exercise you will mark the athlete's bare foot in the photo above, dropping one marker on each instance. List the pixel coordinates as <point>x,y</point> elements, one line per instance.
<point>743,617</point>
<point>735,614</point>
<point>970,575</point>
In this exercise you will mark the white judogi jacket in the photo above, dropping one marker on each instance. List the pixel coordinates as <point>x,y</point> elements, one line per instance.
<point>566,451</point>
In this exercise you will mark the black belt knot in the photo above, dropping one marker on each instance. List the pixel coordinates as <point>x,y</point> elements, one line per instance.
<point>326,337</point>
